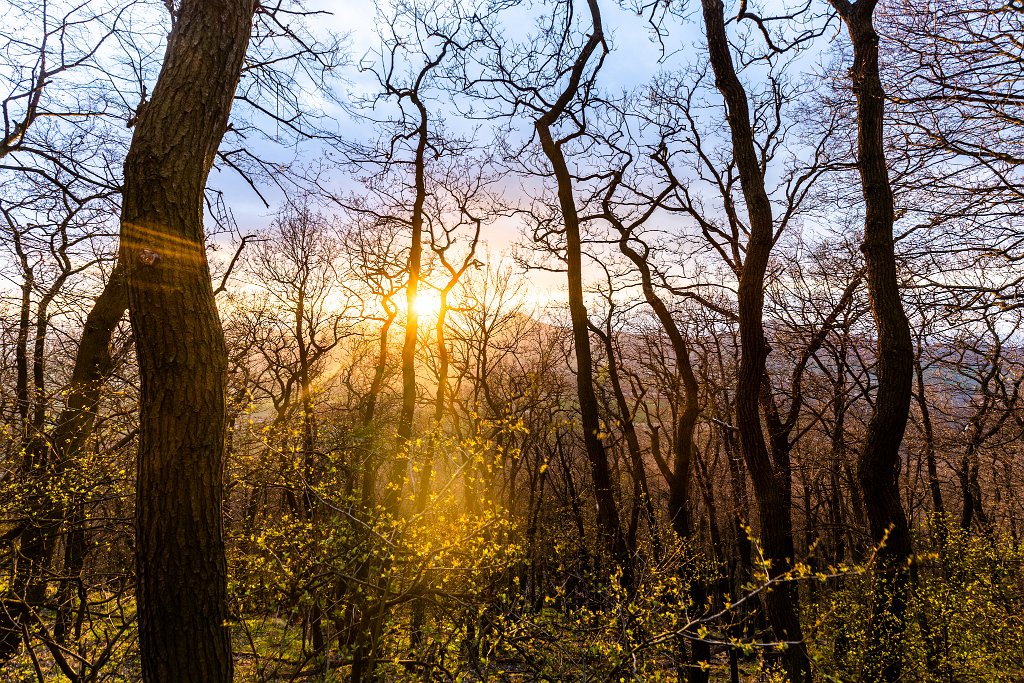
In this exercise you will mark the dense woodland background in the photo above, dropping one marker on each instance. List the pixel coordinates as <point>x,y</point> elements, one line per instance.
<point>524,367</point>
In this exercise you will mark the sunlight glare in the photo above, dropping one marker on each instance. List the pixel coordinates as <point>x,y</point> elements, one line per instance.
<point>428,303</point>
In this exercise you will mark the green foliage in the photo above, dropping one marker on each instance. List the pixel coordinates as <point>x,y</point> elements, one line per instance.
<point>963,621</point>
<point>345,569</point>
<point>86,620</point>
<point>600,632</point>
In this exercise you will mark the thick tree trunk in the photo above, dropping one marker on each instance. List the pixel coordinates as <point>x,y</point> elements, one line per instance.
<point>879,463</point>
<point>181,590</point>
<point>770,481</point>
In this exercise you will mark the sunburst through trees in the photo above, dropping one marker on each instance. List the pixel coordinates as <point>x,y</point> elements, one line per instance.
<point>573,340</point>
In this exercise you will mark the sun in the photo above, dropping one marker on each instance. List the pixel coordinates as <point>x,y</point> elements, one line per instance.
<point>427,303</point>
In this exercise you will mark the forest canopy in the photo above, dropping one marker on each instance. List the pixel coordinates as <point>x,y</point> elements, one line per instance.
<point>492,340</point>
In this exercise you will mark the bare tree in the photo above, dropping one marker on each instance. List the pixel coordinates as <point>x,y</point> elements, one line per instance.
<point>556,87</point>
<point>770,477</point>
<point>878,466</point>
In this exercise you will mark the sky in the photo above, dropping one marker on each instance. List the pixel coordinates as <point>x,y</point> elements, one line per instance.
<point>634,59</point>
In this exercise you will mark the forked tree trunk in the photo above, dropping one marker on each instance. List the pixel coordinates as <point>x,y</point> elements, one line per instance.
<point>770,479</point>
<point>879,463</point>
<point>182,586</point>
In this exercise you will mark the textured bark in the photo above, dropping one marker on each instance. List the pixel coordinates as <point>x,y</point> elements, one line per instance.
<point>879,463</point>
<point>181,589</point>
<point>770,479</point>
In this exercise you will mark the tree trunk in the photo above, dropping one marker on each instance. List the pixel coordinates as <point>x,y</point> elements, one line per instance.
<point>21,354</point>
<point>683,447</point>
<point>609,528</point>
<point>440,401</point>
<point>399,470</point>
<point>934,486</point>
<point>879,462</point>
<point>182,588</point>
<point>641,494</point>
<point>613,541</point>
<point>770,481</point>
